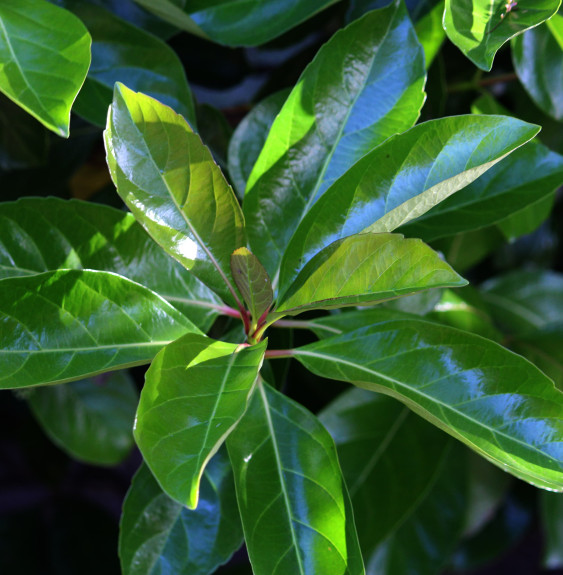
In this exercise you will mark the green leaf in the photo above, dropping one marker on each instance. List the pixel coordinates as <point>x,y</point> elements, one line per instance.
<point>552,515</point>
<point>170,182</point>
<point>496,402</point>
<point>334,115</point>
<point>480,27</point>
<point>45,234</point>
<point>295,508</point>
<point>431,33</point>
<point>139,60</point>
<point>253,282</point>
<point>538,60</point>
<point>529,174</point>
<point>249,138</point>
<point>366,269</point>
<point>158,535</point>
<point>402,179</point>
<point>528,219</point>
<point>405,477</point>
<point>236,22</point>
<point>54,326</point>
<point>46,90</point>
<point>92,419</point>
<point>196,390</point>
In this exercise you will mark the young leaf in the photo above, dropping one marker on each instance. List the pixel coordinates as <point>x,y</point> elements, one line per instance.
<point>195,392</point>
<point>45,234</point>
<point>158,535</point>
<point>366,269</point>
<point>92,419</point>
<point>538,61</point>
<point>480,27</point>
<point>253,282</point>
<point>402,179</point>
<point>334,115</point>
<point>496,402</point>
<point>54,326</point>
<point>295,508</point>
<point>27,37</point>
<point>170,182</point>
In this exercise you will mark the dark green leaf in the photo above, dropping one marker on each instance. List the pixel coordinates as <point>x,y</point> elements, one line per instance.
<point>334,115</point>
<point>528,219</point>
<point>395,497</point>
<point>480,27</point>
<point>54,326</point>
<point>92,419</point>
<point>402,179</point>
<point>295,508</point>
<point>538,61</point>
<point>160,536</point>
<point>366,269</point>
<point>215,131</point>
<point>45,234</point>
<point>42,71</point>
<point>253,282</point>
<point>195,392</point>
<point>552,512</point>
<point>173,187</point>
<point>497,402</point>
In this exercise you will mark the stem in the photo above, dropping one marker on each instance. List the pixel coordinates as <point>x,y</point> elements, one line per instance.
<point>226,310</point>
<point>278,353</point>
<point>477,84</point>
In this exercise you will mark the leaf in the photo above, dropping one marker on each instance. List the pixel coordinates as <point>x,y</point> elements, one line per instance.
<point>402,179</point>
<point>236,22</point>
<point>92,419</point>
<point>158,535</point>
<point>45,234</point>
<point>253,282</point>
<point>48,90</point>
<point>538,60</point>
<point>398,496</point>
<point>496,402</point>
<point>552,515</point>
<point>334,115</point>
<point>196,390</point>
<point>430,33</point>
<point>249,138</point>
<point>71,324</point>
<point>366,269</point>
<point>139,60</point>
<point>295,509</point>
<point>527,220</point>
<point>480,27</point>
<point>170,182</point>
<point>529,174</point>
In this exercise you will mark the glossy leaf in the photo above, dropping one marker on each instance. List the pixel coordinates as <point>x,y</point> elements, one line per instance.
<point>496,402</point>
<point>294,505</point>
<point>538,61</point>
<point>250,136</point>
<point>195,392</point>
<point>46,90</point>
<point>158,535</point>
<point>92,419</point>
<point>395,498</point>
<point>140,60</point>
<point>402,179</point>
<point>45,234</point>
<point>528,219</point>
<point>252,281</point>
<point>54,326</point>
<point>531,173</point>
<point>366,269</point>
<point>480,27</point>
<point>334,115</point>
<point>170,182</point>
<point>236,22</point>
<point>552,512</point>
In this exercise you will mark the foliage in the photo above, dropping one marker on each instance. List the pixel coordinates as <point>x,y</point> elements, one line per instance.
<point>357,205</point>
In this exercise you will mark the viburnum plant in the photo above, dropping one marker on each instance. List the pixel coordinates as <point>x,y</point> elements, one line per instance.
<point>338,200</point>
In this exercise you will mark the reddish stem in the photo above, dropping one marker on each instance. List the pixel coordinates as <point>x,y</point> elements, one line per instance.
<point>278,353</point>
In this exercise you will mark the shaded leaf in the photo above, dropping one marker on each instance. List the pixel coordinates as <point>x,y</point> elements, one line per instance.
<point>170,182</point>
<point>430,33</point>
<point>496,402</point>
<point>552,515</point>
<point>295,509</point>
<point>195,392</point>
<point>54,326</point>
<point>334,115</point>
<point>47,92</point>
